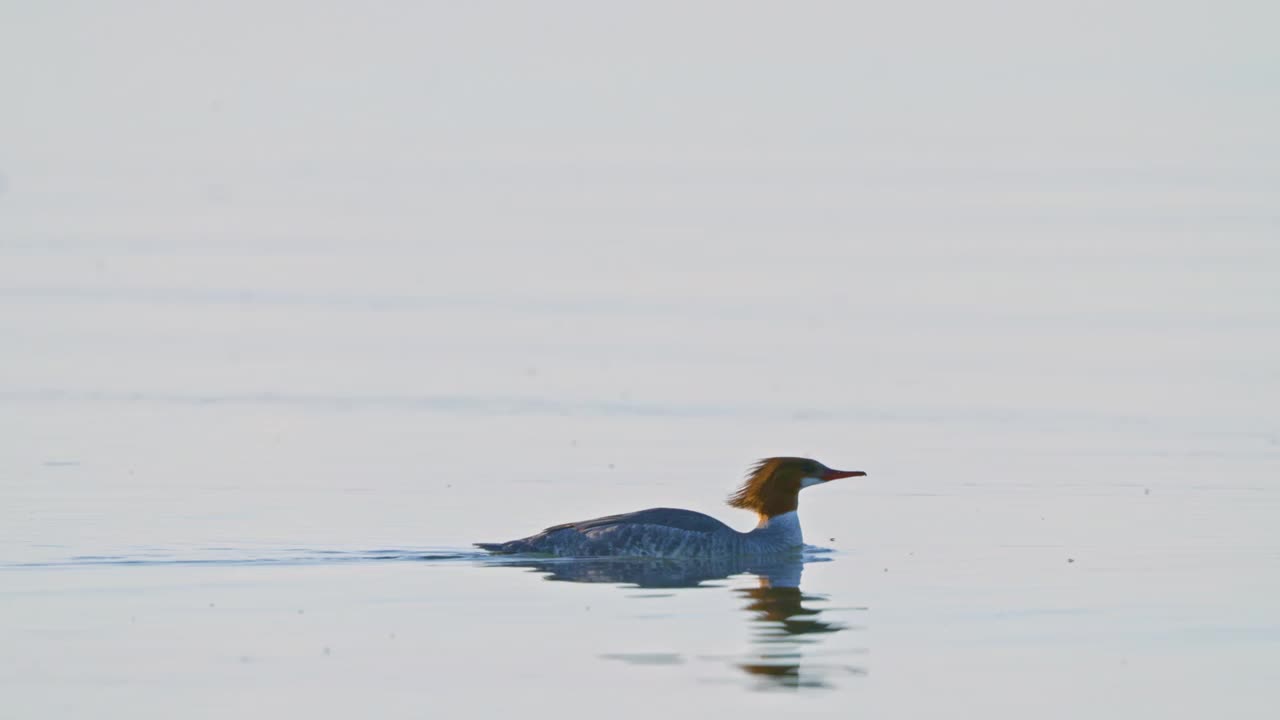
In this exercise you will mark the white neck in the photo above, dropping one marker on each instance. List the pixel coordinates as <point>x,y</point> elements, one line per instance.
<point>785,527</point>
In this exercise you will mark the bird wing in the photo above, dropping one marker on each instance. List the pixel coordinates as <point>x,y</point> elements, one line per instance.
<point>665,517</point>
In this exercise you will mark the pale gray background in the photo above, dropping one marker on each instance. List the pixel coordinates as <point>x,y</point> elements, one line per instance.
<point>286,279</point>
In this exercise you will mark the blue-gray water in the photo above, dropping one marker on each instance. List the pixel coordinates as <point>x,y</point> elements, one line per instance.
<point>294,310</point>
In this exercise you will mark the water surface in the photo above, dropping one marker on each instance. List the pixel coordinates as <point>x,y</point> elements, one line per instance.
<point>298,302</point>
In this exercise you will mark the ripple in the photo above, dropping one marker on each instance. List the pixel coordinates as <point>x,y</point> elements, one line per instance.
<point>226,557</point>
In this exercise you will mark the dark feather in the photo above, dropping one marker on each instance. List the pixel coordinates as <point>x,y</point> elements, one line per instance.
<point>666,517</point>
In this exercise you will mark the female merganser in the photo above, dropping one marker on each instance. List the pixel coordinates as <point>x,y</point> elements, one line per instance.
<point>772,490</point>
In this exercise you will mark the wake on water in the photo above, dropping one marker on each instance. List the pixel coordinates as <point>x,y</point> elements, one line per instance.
<point>221,556</point>
<point>284,556</point>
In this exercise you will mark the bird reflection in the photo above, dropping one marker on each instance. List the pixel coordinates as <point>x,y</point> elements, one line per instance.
<point>654,572</point>
<point>782,625</point>
<point>783,620</point>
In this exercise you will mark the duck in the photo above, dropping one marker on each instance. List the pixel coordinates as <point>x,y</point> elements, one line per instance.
<point>771,490</point>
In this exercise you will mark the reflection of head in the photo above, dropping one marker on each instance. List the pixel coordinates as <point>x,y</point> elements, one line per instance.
<point>781,623</point>
<point>783,676</point>
<point>782,608</point>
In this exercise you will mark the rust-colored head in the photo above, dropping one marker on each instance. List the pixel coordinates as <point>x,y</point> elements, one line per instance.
<point>773,485</point>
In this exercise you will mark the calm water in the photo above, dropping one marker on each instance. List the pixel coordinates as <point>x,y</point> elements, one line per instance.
<point>256,497</point>
<point>293,310</point>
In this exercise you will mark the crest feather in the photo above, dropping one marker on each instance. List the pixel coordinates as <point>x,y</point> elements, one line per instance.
<point>750,495</point>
